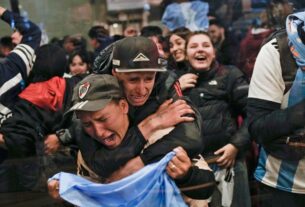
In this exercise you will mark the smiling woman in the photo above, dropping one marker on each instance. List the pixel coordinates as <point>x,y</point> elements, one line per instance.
<point>200,51</point>
<point>214,89</point>
<point>176,42</point>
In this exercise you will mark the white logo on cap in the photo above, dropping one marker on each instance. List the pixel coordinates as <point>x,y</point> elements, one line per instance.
<point>116,62</point>
<point>141,58</point>
<point>83,89</point>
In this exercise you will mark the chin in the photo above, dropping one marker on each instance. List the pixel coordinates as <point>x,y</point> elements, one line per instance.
<point>138,103</point>
<point>111,146</point>
<point>201,68</point>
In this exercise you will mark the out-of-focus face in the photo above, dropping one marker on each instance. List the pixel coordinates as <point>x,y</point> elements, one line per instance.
<point>16,37</point>
<point>77,66</point>
<point>68,46</point>
<point>200,52</point>
<point>130,31</point>
<point>216,33</point>
<point>5,51</point>
<point>137,86</point>
<point>177,47</point>
<point>159,45</point>
<point>108,125</point>
<point>94,43</point>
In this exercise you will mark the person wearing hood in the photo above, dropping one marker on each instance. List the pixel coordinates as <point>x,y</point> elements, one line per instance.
<point>37,113</point>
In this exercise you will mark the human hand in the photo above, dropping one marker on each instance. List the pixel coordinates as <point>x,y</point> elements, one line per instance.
<point>51,144</point>
<point>2,10</point>
<point>168,115</point>
<point>172,113</point>
<point>53,189</point>
<point>188,80</point>
<point>228,155</point>
<point>179,165</point>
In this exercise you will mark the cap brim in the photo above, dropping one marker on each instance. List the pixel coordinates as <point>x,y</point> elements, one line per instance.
<point>89,105</point>
<point>129,70</point>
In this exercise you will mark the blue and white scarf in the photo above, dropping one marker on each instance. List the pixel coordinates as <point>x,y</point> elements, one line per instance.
<point>295,26</point>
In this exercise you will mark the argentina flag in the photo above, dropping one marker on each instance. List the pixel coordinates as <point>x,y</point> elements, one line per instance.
<point>192,15</point>
<point>150,186</point>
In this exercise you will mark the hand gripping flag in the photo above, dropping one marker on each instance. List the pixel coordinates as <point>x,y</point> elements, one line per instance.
<point>150,186</point>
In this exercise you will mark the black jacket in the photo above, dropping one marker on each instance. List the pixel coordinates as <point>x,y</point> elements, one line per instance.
<point>186,135</point>
<point>31,123</point>
<point>220,96</point>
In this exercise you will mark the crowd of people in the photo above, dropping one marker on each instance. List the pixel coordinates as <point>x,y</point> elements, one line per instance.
<point>217,102</point>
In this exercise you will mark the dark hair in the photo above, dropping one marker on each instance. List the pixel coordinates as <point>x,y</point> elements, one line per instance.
<point>6,41</point>
<point>84,56</point>
<point>96,32</point>
<point>181,32</point>
<point>50,62</point>
<point>150,31</point>
<point>215,22</point>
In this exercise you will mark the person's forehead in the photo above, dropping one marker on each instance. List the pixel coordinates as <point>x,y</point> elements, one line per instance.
<point>199,38</point>
<point>214,27</point>
<point>175,37</point>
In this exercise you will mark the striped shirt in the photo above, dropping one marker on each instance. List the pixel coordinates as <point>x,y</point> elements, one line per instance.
<point>13,72</point>
<point>267,84</point>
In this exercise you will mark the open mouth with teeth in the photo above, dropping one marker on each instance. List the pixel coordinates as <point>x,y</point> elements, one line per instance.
<point>200,58</point>
<point>139,99</point>
<point>109,141</point>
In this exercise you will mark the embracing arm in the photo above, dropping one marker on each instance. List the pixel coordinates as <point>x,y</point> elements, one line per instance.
<point>104,161</point>
<point>186,134</point>
<point>135,139</point>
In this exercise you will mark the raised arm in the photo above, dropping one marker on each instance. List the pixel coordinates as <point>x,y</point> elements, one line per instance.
<point>18,64</point>
<point>30,31</point>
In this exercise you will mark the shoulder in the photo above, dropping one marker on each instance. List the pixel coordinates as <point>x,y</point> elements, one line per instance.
<point>267,82</point>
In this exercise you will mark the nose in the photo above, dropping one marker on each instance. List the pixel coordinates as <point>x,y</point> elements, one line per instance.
<point>99,130</point>
<point>200,48</point>
<point>175,47</point>
<point>141,88</point>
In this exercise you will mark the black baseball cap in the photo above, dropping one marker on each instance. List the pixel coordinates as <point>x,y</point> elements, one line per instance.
<point>136,54</point>
<point>94,92</point>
